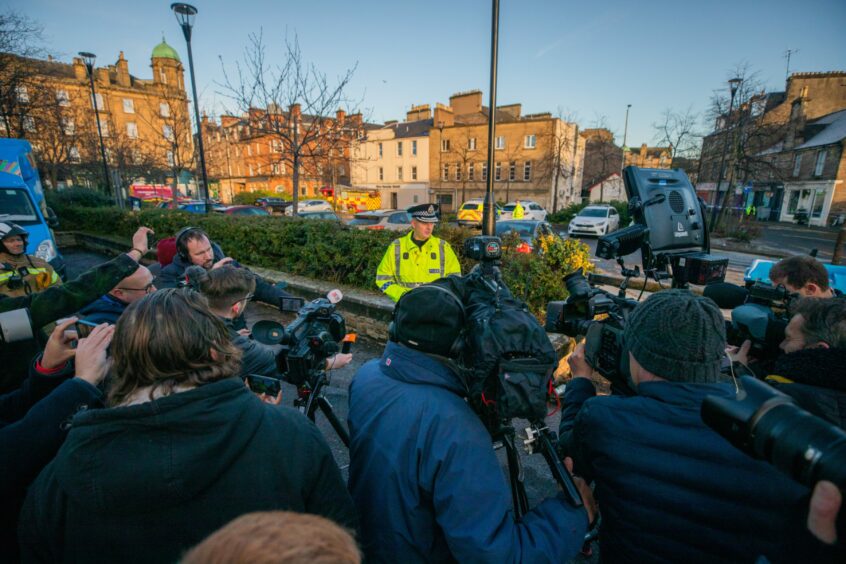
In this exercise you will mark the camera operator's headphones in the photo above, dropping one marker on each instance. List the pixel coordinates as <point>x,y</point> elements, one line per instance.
<point>182,240</point>
<point>426,317</point>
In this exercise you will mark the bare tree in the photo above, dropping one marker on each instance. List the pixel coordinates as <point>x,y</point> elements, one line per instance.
<point>293,104</point>
<point>59,133</point>
<point>677,129</point>
<point>558,163</point>
<point>20,44</point>
<point>602,156</point>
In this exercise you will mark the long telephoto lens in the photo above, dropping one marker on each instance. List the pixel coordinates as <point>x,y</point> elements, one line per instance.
<point>767,424</point>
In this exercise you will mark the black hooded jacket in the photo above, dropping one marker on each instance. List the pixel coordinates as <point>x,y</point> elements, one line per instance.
<point>146,482</point>
<point>816,379</point>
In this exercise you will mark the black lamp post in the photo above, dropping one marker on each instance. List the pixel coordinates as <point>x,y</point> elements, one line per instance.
<point>88,59</point>
<point>185,16</point>
<point>734,84</point>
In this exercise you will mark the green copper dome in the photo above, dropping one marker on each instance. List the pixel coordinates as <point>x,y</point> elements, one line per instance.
<point>165,51</point>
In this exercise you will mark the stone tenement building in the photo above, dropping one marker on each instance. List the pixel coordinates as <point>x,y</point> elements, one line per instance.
<point>537,157</point>
<point>603,157</point>
<point>244,154</point>
<point>784,151</point>
<point>145,122</point>
<point>394,160</point>
<point>648,157</point>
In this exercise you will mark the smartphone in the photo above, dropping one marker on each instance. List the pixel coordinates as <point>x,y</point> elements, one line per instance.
<point>84,328</point>
<point>264,385</point>
<point>348,341</point>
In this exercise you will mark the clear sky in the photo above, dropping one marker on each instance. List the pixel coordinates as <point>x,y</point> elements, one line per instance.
<point>588,59</point>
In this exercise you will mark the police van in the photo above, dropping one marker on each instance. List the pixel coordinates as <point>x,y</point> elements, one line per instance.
<point>22,201</point>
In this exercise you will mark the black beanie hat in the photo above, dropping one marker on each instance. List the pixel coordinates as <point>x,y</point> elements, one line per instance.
<point>678,337</point>
<point>429,319</point>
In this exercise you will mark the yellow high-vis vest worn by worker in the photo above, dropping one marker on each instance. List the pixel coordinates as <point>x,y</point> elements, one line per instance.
<point>518,211</point>
<point>407,264</point>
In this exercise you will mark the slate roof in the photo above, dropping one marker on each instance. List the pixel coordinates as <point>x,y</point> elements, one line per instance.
<point>833,132</point>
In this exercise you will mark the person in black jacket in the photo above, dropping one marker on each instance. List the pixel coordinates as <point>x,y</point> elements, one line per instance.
<point>228,290</point>
<point>34,419</point>
<point>109,307</point>
<point>182,449</point>
<point>193,247</point>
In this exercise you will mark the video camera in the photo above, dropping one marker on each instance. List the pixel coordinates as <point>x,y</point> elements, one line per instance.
<point>307,342</point>
<point>767,424</point>
<point>670,230</point>
<point>604,346</point>
<point>759,313</point>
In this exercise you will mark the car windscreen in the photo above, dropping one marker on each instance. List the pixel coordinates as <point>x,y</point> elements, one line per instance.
<point>16,207</point>
<point>522,228</point>
<point>470,207</point>
<point>364,220</point>
<point>509,207</point>
<point>593,212</point>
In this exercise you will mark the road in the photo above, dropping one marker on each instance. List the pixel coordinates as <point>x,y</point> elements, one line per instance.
<point>797,240</point>
<point>538,480</point>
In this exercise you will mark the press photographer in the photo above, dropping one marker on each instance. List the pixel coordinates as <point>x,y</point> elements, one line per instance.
<point>423,473</point>
<point>803,275</point>
<point>670,488</point>
<point>182,449</point>
<point>228,291</point>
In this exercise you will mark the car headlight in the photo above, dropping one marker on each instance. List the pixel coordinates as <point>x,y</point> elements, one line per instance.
<point>46,250</point>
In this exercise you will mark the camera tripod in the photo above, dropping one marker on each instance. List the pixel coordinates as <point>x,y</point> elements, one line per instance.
<point>311,397</point>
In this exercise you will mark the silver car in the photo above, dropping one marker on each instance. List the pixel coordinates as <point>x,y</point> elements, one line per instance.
<point>392,220</point>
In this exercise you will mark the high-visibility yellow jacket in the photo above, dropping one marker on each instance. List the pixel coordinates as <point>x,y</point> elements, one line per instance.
<point>518,212</point>
<point>406,266</point>
<point>26,274</point>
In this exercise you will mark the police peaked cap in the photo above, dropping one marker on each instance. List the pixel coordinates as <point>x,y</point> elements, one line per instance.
<point>427,213</point>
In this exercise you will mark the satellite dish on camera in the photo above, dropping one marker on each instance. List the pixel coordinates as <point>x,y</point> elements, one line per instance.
<point>268,332</point>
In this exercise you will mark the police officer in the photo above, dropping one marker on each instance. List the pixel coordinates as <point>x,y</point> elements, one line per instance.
<point>518,211</point>
<point>416,258</point>
<point>21,274</point>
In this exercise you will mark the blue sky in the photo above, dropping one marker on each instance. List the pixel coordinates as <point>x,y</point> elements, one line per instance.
<point>589,59</point>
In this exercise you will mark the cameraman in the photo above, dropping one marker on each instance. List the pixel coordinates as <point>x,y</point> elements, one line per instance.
<point>813,368</point>
<point>228,290</point>
<point>423,474</point>
<point>803,275</point>
<point>670,488</point>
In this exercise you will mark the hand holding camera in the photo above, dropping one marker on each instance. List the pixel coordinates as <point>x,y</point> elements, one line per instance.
<point>92,362</point>
<point>59,349</point>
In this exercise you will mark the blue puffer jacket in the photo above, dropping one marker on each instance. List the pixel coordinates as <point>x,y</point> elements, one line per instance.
<point>105,309</point>
<point>425,479</point>
<point>669,488</point>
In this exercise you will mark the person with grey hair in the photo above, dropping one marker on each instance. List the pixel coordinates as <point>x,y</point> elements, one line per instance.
<point>669,488</point>
<point>813,368</point>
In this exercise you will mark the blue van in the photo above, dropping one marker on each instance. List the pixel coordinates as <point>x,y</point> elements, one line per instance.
<point>22,201</point>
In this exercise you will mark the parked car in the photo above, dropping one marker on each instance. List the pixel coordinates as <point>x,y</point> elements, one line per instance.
<point>309,206</point>
<point>392,220</point>
<point>274,205</point>
<point>594,220</point>
<point>470,212</point>
<point>528,230</point>
<point>241,210</point>
<point>327,215</point>
<point>531,210</point>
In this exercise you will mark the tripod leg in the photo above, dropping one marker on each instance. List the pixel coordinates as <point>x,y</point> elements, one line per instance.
<point>327,410</point>
<point>515,474</point>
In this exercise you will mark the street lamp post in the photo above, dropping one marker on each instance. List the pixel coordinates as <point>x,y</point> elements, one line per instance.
<point>734,84</point>
<point>185,16</point>
<point>625,138</point>
<point>88,59</point>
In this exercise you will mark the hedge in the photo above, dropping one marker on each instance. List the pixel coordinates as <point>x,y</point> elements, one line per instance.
<point>327,251</point>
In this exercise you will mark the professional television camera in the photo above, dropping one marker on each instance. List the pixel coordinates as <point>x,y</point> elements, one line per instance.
<point>759,313</point>
<point>670,230</point>
<point>314,336</point>
<point>508,366</point>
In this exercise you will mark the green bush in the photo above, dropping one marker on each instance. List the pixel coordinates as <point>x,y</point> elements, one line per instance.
<point>249,198</point>
<point>77,196</point>
<point>327,251</point>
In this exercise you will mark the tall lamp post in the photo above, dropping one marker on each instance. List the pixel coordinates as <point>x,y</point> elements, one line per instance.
<point>734,84</point>
<point>625,138</point>
<point>185,16</point>
<point>88,59</point>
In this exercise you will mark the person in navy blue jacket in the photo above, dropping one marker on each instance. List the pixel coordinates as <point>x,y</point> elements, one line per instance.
<point>670,489</point>
<point>34,419</point>
<point>109,307</point>
<point>423,474</point>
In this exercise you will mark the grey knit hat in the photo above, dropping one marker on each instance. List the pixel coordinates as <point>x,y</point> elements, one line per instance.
<point>678,337</point>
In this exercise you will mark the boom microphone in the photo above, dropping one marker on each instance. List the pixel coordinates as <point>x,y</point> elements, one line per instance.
<point>725,295</point>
